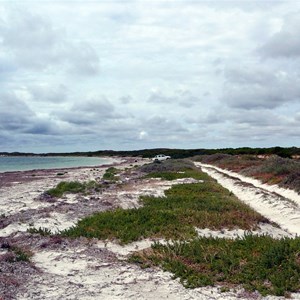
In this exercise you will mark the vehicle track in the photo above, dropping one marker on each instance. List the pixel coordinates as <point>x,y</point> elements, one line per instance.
<point>276,204</point>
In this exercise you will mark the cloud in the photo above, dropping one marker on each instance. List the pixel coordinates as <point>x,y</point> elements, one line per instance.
<point>143,135</point>
<point>286,42</point>
<point>14,113</point>
<point>180,97</point>
<point>84,60</point>
<point>49,93</point>
<point>17,118</point>
<point>150,74</point>
<point>34,42</point>
<point>259,87</point>
<point>88,112</point>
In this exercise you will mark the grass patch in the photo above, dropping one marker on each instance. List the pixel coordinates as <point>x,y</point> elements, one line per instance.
<point>16,254</point>
<point>257,263</point>
<point>73,187</point>
<point>172,165</point>
<point>41,231</point>
<point>111,174</point>
<point>188,173</point>
<point>185,206</point>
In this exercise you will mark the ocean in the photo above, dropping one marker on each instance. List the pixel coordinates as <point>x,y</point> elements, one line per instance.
<point>25,163</point>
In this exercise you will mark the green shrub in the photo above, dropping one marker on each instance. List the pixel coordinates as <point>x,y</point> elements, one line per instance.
<point>41,231</point>
<point>172,165</point>
<point>188,173</point>
<point>72,187</point>
<point>110,174</point>
<point>185,206</point>
<point>257,263</point>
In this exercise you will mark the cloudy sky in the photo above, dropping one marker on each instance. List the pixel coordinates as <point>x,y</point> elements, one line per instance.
<point>91,75</point>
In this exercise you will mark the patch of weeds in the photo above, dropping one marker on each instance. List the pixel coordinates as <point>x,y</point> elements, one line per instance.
<point>257,263</point>
<point>41,231</point>
<point>172,165</point>
<point>73,187</point>
<point>273,170</point>
<point>187,173</point>
<point>111,174</point>
<point>60,174</point>
<point>16,254</point>
<point>186,206</point>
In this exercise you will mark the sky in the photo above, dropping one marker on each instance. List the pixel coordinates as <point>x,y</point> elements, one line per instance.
<point>124,75</point>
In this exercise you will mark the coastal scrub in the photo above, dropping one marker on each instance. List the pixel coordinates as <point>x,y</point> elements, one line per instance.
<point>175,216</point>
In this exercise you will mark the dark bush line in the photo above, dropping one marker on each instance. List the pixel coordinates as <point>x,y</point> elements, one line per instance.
<point>174,153</point>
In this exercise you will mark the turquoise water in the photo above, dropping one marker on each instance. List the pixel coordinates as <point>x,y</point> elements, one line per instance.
<point>24,163</point>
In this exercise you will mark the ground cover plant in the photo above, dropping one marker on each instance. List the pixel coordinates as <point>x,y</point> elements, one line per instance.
<point>272,170</point>
<point>257,263</point>
<point>175,216</point>
<point>235,163</point>
<point>170,165</point>
<point>73,187</point>
<point>111,174</point>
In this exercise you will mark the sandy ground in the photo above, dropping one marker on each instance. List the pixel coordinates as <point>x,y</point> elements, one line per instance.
<point>92,269</point>
<point>277,204</point>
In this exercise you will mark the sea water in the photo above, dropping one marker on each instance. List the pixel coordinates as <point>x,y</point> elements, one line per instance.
<point>24,163</point>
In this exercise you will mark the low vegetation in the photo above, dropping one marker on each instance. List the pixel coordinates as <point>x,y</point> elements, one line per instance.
<point>41,231</point>
<point>171,165</point>
<point>73,187</point>
<point>257,263</point>
<point>111,174</point>
<point>15,254</point>
<point>175,216</point>
<point>272,170</point>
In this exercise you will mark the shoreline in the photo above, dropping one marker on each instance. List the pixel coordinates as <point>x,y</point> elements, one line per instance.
<point>113,159</point>
<point>35,174</point>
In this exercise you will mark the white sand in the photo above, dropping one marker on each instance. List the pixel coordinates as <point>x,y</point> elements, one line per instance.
<point>263,198</point>
<point>75,275</point>
<point>287,193</point>
<point>127,197</point>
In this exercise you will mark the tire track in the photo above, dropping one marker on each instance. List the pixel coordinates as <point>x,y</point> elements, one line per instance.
<point>276,204</point>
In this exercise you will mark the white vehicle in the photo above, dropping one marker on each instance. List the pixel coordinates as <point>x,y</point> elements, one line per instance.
<point>161,157</point>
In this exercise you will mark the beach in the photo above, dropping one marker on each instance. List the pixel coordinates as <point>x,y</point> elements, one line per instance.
<point>63,268</point>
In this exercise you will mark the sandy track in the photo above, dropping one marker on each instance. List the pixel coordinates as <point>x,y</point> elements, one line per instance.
<point>278,205</point>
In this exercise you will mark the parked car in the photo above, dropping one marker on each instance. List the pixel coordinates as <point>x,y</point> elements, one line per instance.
<point>161,157</point>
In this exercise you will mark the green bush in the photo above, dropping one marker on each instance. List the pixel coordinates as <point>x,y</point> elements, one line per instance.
<point>72,187</point>
<point>110,174</point>
<point>258,263</point>
<point>170,165</point>
<point>185,206</point>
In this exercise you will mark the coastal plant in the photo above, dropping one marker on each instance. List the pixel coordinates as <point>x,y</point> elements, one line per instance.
<point>111,174</point>
<point>73,187</point>
<point>41,231</point>
<point>272,170</point>
<point>187,173</point>
<point>262,263</point>
<point>16,254</point>
<point>170,165</point>
<point>175,216</point>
